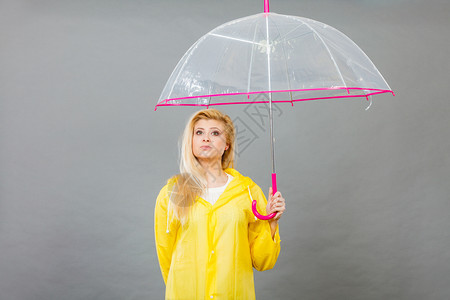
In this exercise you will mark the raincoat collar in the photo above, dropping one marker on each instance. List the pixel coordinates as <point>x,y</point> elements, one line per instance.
<point>239,178</point>
<point>238,184</point>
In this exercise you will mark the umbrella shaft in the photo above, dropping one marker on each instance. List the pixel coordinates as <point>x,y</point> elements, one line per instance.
<point>269,83</point>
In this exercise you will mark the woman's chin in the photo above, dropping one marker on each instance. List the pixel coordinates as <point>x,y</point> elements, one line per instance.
<point>208,157</point>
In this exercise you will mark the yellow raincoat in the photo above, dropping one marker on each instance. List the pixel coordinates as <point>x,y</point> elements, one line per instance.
<point>212,257</point>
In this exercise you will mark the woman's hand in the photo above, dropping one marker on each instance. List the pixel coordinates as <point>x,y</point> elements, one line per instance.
<point>275,203</point>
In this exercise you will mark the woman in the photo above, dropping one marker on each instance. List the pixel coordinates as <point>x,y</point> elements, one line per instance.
<point>207,237</point>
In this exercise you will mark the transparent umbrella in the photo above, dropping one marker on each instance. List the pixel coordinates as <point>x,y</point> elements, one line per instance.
<point>288,58</point>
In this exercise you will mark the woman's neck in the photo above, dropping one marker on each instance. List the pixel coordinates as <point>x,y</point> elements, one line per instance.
<point>215,175</point>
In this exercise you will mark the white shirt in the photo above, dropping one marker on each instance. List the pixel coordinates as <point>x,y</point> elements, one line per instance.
<point>212,194</point>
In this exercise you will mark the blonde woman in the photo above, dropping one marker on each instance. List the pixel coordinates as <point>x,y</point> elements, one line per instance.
<point>207,238</point>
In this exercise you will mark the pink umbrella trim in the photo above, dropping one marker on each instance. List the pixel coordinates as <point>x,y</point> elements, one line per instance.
<point>375,92</point>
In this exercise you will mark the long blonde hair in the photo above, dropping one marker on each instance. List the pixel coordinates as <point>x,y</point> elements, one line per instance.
<point>191,182</point>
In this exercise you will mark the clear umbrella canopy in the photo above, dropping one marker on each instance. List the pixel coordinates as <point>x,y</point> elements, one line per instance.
<point>286,58</point>
<point>267,58</point>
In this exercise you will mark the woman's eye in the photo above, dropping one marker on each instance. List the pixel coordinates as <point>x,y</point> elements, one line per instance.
<point>198,132</point>
<point>215,133</point>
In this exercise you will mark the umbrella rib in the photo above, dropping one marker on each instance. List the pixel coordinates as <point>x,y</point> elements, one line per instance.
<point>289,32</point>
<point>221,59</point>
<point>251,59</point>
<point>367,57</point>
<point>189,54</point>
<point>283,40</point>
<point>235,39</point>
<point>328,50</point>
<point>214,77</point>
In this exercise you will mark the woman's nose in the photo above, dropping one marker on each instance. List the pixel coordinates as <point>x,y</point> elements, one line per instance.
<point>206,137</point>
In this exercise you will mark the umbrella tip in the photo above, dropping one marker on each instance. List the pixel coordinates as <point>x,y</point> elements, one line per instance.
<point>369,98</point>
<point>266,6</point>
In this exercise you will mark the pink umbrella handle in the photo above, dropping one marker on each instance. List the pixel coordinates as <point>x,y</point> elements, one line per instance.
<point>274,190</point>
<point>274,183</point>
<point>258,215</point>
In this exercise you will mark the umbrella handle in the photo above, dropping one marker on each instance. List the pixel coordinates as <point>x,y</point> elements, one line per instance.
<point>258,215</point>
<point>274,190</point>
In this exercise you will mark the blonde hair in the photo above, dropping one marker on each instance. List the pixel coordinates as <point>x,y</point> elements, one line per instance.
<point>191,182</point>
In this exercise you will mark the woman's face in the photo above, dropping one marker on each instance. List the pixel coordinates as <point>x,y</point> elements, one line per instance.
<point>209,139</point>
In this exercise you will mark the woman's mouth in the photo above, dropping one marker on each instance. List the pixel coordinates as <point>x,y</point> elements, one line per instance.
<point>205,147</point>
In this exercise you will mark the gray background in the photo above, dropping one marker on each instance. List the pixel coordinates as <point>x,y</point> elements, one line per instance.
<point>83,155</point>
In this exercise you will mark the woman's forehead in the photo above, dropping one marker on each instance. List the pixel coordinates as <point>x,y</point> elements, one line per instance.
<point>208,123</point>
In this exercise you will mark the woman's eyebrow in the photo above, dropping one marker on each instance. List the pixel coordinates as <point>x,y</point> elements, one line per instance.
<point>211,128</point>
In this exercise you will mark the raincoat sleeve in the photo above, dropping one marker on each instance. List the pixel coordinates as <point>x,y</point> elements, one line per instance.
<point>264,250</point>
<point>165,233</point>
